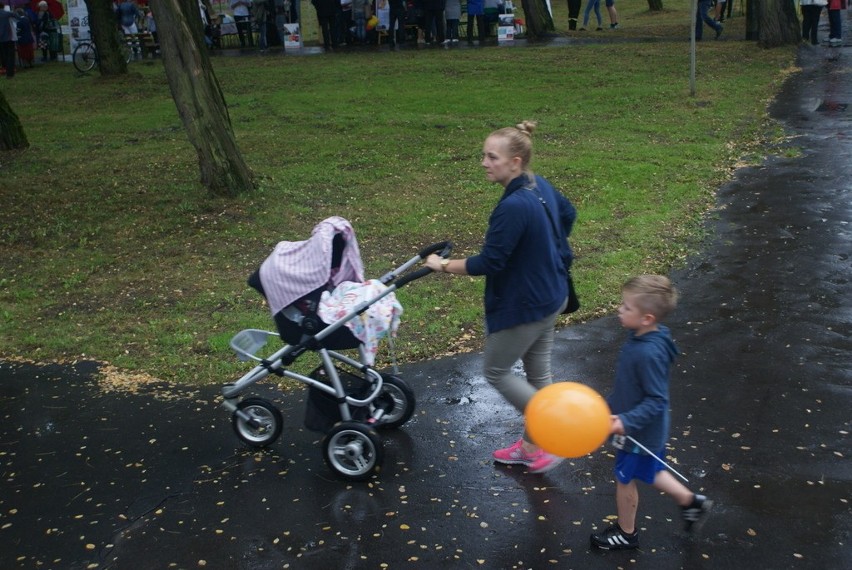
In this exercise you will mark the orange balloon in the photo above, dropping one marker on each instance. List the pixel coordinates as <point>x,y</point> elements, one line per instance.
<point>568,419</point>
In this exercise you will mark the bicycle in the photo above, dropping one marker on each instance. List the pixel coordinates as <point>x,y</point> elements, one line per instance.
<point>85,55</point>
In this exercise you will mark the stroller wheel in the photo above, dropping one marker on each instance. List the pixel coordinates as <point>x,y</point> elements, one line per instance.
<point>263,425</point>
<point>352,450</point>
<point>397,400</point>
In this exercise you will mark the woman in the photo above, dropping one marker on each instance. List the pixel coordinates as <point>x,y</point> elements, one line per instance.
<point>596,6</point>
<point>48,33</point>
<point>525,260</point>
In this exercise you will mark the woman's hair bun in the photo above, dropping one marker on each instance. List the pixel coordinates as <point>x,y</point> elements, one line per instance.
<point>526,127</point>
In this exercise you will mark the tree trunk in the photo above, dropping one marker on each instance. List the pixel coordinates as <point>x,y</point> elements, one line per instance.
<point>199,99</point>
<point>752,20</point>
<point>657,5</point>
<point>538,18</point>
<point>778,23</point>
<point>107,37</point>
<point>12,134</point>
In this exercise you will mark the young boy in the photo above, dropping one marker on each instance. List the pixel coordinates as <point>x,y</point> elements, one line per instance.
<point>640,404</point>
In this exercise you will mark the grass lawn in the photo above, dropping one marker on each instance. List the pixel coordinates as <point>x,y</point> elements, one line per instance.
<point>110,250</point>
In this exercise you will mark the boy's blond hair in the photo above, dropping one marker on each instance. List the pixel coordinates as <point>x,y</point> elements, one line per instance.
<point>654,294</point>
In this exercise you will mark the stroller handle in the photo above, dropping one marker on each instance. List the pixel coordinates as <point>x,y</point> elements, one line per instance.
<point>445,247</point>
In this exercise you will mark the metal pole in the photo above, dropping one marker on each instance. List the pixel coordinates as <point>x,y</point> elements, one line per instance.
<point>694,19</point>
<point>651,453</point>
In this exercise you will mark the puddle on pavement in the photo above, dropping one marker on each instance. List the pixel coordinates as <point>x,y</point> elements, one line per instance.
<point>832,107</point>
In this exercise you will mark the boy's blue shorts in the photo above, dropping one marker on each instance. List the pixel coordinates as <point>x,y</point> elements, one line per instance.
<point>630,466</point>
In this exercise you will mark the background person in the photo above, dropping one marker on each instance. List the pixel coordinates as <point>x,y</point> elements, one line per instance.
<point>596,6</point>
<point>719,10</point>
<point>329,22</point>
<point>26,39</point>
<point>452,14</point>
<point>242,18</point>
<point>573,13</point>
<point>359,18</point>
<point>476,13</point>
<point>703,17</point>
<point>260,13</point>
<point>433,21</point>
<point>8,39</point>
<point>613,14</point>
<point>47,29</point>
<point>396,24</point>
<point>811,10</point>
<point>128,13</point>
<point>151,25</point>
<point>835,22</point>
<point>525,267</point>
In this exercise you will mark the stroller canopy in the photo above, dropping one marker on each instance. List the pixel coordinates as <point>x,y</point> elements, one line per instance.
<point>296,268</point>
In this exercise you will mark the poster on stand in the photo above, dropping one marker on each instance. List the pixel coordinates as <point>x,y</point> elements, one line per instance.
<point>292,36</point>
<point>506,34</point>
<point>78,22</point>
<point>383,14</point>
<point>506,28</point>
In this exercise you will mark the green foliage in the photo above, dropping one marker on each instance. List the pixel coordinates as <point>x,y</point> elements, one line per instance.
<point>109,248</point>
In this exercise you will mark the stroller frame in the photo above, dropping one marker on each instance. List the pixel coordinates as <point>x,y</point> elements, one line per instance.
<point>352,447</point>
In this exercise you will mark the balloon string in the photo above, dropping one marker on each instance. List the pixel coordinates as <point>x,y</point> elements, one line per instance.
<point>649,452</point>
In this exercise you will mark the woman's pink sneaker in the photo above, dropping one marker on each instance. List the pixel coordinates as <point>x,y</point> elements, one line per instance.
<point>513,455</point>
<point>538,461</point>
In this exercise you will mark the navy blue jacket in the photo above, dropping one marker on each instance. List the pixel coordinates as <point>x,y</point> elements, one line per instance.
<point>640,396</point>
<point>525,268</point>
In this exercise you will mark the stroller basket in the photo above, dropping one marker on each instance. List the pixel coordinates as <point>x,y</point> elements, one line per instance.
<point>322,409</point>
<point>246,343</point>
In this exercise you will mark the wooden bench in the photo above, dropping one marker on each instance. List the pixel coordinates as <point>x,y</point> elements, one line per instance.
<point>142,43</point>
<point>410,29</point>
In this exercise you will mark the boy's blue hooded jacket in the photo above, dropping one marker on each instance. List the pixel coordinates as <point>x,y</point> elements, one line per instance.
<point>640,396</point>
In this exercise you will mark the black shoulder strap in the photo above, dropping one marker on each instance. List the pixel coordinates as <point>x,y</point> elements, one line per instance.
<point>546,212</point>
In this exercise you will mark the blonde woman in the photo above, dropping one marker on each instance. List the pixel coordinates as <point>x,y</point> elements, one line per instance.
<point>525,260</point>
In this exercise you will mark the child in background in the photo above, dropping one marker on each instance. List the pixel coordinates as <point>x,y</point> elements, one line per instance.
<point>452,12</point>
<point>640,404</point>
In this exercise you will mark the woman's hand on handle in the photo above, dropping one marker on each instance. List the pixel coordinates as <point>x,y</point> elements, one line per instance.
<point>433,262</point>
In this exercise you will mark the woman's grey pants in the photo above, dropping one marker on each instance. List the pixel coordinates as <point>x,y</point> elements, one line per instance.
<point>532,343</point>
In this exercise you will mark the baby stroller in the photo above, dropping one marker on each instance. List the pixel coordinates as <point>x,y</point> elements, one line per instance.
<point>347,398</point>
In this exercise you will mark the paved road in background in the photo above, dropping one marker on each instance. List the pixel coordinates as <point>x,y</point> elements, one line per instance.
<point>761,421</point>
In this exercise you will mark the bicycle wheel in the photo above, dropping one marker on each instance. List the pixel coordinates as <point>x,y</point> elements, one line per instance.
<point>85,57</point>
<point>126,51</point>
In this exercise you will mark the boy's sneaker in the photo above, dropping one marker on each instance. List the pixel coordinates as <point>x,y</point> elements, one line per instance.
<point>613,26</point>
<point>614,538</point>
<point>696,511</point>
<point>719,31</point>
<point>538,461</point>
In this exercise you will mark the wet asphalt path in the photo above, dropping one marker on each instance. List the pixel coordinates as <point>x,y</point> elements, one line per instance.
<point>761,421</point>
